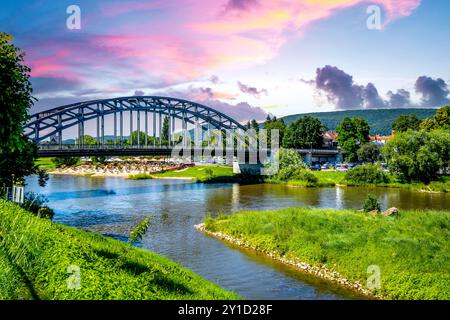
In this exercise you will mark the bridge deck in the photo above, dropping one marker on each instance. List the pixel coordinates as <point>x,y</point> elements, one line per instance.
<point>108,151</point>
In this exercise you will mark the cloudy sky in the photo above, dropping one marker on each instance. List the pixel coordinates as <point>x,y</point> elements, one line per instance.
<point>244,57</point>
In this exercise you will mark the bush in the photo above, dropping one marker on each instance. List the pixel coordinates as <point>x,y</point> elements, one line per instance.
<point>45,212</point>
<point>371,203</point>
<point>36,204</point>
<point>298,174</point>
<point>369,174</point>
<point>65,162</point>
<point>289,160</point>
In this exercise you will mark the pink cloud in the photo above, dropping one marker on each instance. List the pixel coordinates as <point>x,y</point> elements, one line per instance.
<point>190,39</point>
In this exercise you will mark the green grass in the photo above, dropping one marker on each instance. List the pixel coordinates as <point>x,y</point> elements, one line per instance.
<point>140,176</point>
<point>334,178</point>
<point>200,173</point>
<point>45,163</point>
<point>35,255</point>
<point>412,250</point>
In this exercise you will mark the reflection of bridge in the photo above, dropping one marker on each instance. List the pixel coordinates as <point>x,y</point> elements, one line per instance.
<point>160,115</point>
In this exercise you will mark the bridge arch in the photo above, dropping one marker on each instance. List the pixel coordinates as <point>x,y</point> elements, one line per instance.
<point>52,123</point>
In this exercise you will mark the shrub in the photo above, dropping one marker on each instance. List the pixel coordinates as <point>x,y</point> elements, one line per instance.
<point>369,174</point>
<point>307,176</point>
<point>298,174</point>
<point>371,203</point>
<point>60,162</point>
<point>288,160</point>
<point>36,204</point>
<point>140,230</point>
<point>45,212</point>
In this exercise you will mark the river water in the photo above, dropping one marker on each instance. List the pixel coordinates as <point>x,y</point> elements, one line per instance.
<point>112,206</point>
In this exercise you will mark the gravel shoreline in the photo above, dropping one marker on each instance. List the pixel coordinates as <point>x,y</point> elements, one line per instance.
<point>321,272</point>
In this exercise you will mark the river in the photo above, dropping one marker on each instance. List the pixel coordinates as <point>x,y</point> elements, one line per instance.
<point>112,206</point>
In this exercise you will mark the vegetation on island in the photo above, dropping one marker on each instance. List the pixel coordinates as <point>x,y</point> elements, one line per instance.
<point>43,260</point>
<point>412,249</point>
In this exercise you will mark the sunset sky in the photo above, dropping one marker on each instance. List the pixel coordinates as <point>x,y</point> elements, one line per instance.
<point>244,57</point>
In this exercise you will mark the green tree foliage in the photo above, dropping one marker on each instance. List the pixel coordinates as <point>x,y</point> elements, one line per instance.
<point>406,122</point>
<point>274,124</point>
<point>133,140</point>
<point>441,120</point>
<point>62,162</point>
<point>289,157</point>
<point>165,131</point>
<point>427,124</point>
<point>87,140</point>
<point>353,133</point>
<point>254,125</point>
<point>369,153</point>
<point>289,162</point>
<point>306,132</point>
<point>418,155</point>
<point>17,153</point>
<point>369,174</point>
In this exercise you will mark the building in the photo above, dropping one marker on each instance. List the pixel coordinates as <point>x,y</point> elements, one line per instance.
<point>330,140</point>
<point>379,139</point>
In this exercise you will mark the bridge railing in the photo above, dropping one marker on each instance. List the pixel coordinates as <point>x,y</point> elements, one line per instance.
<point>96,147</point>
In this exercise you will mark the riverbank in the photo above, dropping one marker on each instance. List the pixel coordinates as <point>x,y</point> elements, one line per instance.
<point>40,259</point>
<point>412,250</point>
<point>122,168</point>
<point>336,178</point>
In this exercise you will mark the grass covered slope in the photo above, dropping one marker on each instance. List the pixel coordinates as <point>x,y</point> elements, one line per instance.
<point>412,250</point>
<point>35,255</point>
<point>200,173</point>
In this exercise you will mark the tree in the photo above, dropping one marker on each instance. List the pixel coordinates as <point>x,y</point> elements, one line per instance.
<point>17,153</point>
<point>353,133</point>
<point>70,161</point>
<point>369,153</point>
<point>254,125</point>
<point>165,131</point>
<point>427,124</point>
<point>274,124</point>
<point>406,122</point>
<point>306,132</point>
<point>134,138</point>
<point>418,155</point>
<point>87,140</point>
<point>442,118</point>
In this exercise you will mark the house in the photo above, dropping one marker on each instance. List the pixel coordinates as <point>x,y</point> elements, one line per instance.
<point>379,139</point>
<point>330,140</point>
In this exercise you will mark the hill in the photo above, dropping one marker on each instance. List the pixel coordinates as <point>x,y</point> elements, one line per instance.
<point>380,120</point>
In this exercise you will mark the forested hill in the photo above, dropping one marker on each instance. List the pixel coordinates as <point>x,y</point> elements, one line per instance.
<point>380,120</point>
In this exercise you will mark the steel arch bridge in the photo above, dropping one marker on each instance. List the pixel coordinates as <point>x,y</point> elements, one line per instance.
<point>51,124</point>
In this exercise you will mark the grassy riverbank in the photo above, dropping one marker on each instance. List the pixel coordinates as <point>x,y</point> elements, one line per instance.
<point>35,255</point>
<point>412,250</point>
<point>336,178</point>
<point>216,173</point>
